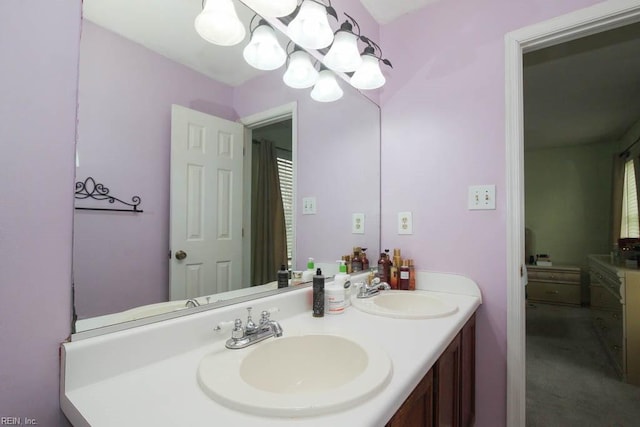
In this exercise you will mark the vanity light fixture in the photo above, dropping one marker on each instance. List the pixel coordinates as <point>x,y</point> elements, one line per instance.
<point>264,51</point>
<point>344,55</point>
<point>301,72</point>
<point>310,27</point>
<point>368,75</point>
<point>326,88</point>
<point>218,23</point>
<point>272,8</point>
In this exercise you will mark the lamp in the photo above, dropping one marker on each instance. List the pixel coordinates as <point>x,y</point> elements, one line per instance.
<point>344,55</point>
<point>326,88</point>
<point>368,75</point>
<point>310,27</point>
<point>272,8</point>
<point>263,51</point>
<point>300,73</point>
<point>218,23</point>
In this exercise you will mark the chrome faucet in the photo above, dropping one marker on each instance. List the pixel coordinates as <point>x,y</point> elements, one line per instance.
<point>367,291</point>
<point>252,333</point>
<point>192,303</point>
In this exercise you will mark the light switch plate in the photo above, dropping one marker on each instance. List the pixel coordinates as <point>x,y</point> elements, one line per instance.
<point>357,223</point>
<point>482,197</point>
<point>405,223</point>
<point>308,206</point>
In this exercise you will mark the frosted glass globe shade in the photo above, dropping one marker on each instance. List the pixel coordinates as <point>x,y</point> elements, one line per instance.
<point>343,55</point>
<point>368,76</point>
<point>310,28</point>
<point>218,23</point>
<point>327,88</point>
<point>263,51</point>
<point>272,8</point>
<point>300,73</point>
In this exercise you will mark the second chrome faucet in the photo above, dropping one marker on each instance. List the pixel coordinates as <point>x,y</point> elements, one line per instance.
<point>251,333</point>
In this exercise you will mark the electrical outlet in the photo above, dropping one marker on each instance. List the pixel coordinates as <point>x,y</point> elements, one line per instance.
<point>482,197</point>
<point>308,206</point>
<point>357,223</point>
<point>405,223</point>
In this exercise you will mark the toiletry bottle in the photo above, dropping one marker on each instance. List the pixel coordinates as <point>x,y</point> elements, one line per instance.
<point>318,294</point>
<point>283,277</point>
<point>393,274</point>
<point>403,274</point>
<point>412,276</point>
<point>383,268</point>
<point>343,279</point>
<point>334,298</point>
<point>307,275</point>
<point>365,260</point>
<point>356,261</point>
<point>347,261</point>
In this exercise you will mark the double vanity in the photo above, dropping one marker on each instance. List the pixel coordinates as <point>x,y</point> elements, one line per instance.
<point>396,358</point>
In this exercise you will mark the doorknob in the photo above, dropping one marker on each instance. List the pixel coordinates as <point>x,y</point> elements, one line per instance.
<point>180,255</point>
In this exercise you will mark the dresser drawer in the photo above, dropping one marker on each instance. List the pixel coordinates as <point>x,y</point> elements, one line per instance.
<point>560,293</point>
<point>603,299</point>
<point>554,275</point>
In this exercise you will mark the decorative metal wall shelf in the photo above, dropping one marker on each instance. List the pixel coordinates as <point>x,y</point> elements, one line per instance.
<point>89,189</point>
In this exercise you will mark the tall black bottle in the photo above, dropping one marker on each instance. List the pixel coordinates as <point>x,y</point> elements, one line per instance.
<point>318,294</point>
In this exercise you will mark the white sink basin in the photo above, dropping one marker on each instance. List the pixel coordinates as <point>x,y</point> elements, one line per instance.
<point>406,305</point>
<point>294,376</point>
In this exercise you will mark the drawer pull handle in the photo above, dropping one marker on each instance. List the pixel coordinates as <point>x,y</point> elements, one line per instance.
<point>615,347</point>
<point>616,316</point>
<point>553,292</point>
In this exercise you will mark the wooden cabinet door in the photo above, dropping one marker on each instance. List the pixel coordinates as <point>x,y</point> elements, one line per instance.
<point>468,373</point>
<point>447,386</point>
<point>417,410</point>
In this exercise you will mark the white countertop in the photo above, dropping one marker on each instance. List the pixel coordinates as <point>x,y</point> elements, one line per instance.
<point>146,376</point>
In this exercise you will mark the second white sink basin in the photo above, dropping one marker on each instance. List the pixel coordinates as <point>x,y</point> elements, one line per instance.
<point>297,375</point>
<point>406,305</point>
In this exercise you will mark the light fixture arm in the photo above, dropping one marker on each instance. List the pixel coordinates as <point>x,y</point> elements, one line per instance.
<point>295,49</point>
<point>371,50</point>
<point>350,23</point>
<point>262,21</point>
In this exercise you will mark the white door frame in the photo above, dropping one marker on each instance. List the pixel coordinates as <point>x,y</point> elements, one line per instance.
<point>600,17</point>
<point>264,118</point>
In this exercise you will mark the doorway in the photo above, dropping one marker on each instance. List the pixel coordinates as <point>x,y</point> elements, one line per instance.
<point>276,124</point>
<point>592,20</point>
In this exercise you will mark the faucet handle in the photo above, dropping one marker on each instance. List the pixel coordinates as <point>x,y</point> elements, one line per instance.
<point>250,327</point>
<point>237,332</point>
<point>264,317</point>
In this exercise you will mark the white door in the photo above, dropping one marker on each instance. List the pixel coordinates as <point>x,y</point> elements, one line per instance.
<point>206,204</point>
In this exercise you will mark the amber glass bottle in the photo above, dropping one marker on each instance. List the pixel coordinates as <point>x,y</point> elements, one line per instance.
<point>384,266</point>
<point>403,275</point>
<point>356,261</point>
<point>412,276</point>
<point>365,260</point>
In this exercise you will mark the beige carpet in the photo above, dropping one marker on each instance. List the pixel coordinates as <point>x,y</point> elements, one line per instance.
<point>570,381</point>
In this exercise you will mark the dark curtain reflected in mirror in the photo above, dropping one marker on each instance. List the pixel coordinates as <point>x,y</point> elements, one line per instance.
<point>268,227</point>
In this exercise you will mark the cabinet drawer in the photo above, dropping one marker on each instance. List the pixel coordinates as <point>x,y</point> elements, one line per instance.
<point>560,293</point>
<point>603,299</point>
<point>555,276</point>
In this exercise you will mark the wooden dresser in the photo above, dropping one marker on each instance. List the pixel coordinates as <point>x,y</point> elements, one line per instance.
<point>555,284</point>
<point>615,311</point>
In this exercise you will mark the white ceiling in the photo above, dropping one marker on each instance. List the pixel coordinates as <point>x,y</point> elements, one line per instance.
<point>166,27</point>
<point>584,91</point>
<point>385,11</point>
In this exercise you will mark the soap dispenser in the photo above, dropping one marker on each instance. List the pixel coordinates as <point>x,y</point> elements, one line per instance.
<point>343,281</point>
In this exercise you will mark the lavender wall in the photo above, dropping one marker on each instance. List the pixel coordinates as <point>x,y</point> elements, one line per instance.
<point>337,162</point>
<point>443,123</point>
<point>124,136</point>
<point>37,134</point>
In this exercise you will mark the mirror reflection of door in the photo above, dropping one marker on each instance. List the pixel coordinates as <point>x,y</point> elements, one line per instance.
<point>206,204</point>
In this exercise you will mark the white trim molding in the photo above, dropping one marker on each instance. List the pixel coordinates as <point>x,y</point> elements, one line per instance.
<point>591,20</point>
